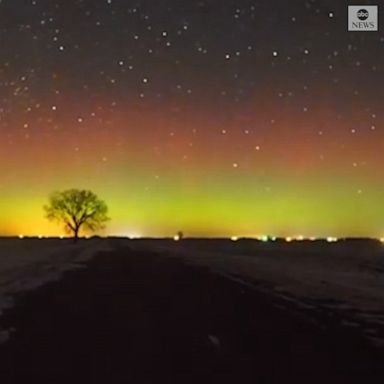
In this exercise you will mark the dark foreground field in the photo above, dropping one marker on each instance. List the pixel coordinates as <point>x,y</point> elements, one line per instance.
<point>136,317</point>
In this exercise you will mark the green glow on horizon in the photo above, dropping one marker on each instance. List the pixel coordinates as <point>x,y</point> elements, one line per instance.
<point>213,206</point>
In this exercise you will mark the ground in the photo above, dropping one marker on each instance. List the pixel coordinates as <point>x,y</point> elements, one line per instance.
<point>147,311</point>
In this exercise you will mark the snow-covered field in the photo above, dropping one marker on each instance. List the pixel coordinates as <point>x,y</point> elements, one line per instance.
<point>350,272</point>
<point>346,277</point>
<point>26,264</point>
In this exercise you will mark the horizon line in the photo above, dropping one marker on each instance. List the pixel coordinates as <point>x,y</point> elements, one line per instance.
<point>272,239</point>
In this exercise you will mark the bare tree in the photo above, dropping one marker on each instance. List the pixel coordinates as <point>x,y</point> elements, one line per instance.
<point>77,209</point>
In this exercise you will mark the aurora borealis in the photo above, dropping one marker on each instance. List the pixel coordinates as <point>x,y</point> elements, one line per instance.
<point>214,117</point>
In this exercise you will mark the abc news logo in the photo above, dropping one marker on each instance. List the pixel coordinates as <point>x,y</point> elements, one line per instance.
<point>363,14</point>
<point>363,18</point>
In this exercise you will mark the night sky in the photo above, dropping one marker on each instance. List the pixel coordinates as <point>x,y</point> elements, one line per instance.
<point>215,117</point>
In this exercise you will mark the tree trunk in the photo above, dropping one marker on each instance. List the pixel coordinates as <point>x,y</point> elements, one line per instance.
<point>76,234</point>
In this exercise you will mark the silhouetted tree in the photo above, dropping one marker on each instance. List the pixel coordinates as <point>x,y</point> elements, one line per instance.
<point>76,209</point>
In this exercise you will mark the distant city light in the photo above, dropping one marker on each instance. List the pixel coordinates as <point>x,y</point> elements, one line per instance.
<point>21,236</point>
<point>234,238</point>
<point>332,239</point>
<point>264,238</point>
<point>133,235</point>
<point>176,238</point>
<point>288,239</point>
